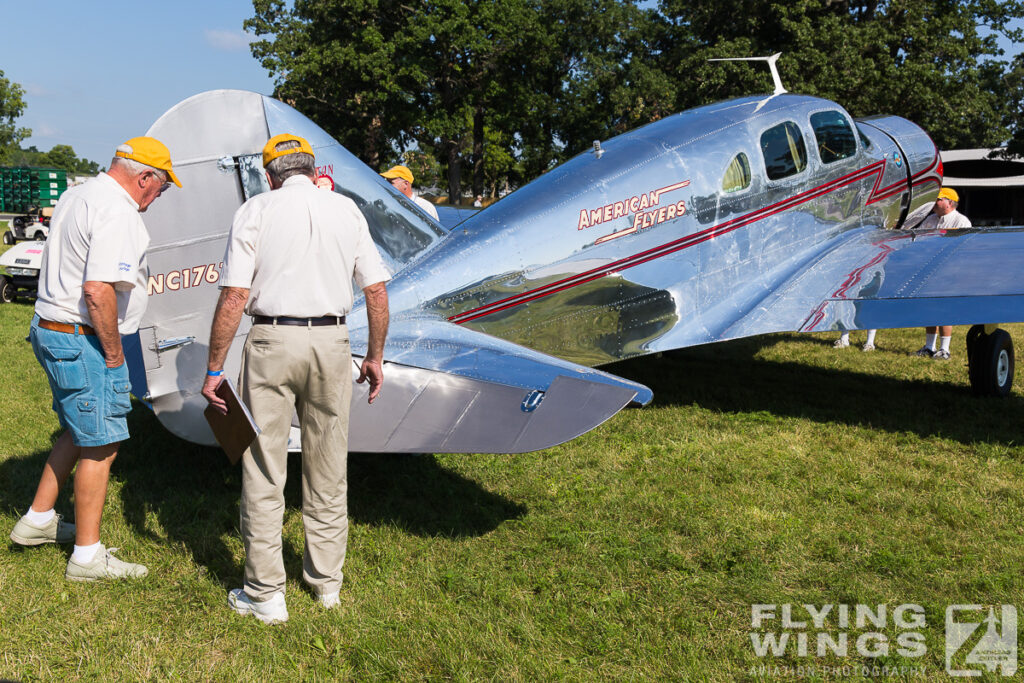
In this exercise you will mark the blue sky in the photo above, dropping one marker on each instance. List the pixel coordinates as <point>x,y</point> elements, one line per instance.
<point>98,73</point>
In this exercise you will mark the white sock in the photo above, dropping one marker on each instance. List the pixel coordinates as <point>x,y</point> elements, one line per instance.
<point>871,336</point>
<point>845,337</point>
<point>945,344</point>
<point>929,341</point>
<point>84,553</point>
<point>39,518</point>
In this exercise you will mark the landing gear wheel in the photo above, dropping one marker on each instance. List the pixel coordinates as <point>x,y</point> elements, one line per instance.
<point>7,291</point>
<point>8,237</point>
<point>973,334</point>
<point>991,364</point>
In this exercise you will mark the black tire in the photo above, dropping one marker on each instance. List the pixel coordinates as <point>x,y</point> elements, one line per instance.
<point>992,364</point>
<point>8,237</point>
<point>973,334</point>
<point>7,291</point>
<point>39,236</point>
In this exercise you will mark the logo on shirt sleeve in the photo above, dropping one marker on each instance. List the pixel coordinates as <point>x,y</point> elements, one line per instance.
<point>124,267</point>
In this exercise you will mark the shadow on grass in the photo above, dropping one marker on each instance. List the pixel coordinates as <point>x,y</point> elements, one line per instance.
<point>194,493</point>
<point>727,377</point>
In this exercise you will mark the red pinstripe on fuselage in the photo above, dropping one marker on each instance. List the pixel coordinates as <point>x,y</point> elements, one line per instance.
<point>877,194</point>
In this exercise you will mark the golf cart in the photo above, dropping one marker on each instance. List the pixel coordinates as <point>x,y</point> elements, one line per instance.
<point>19,270</point>
<point>34,225</point>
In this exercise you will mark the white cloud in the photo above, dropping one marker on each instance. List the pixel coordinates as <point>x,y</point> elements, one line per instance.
<point>45,130</point>
<point>228,41</point>
<point>36,90</point>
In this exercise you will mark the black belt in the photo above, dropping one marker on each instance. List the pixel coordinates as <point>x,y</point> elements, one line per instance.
<point>305,322</point>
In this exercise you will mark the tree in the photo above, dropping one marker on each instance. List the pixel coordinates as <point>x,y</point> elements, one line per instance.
<point>441,73</point>
<point>927,60</point>
<point>338,62</point>
<point>11,107</point>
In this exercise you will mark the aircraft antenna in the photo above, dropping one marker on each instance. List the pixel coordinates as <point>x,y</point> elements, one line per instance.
<point>771,65</point>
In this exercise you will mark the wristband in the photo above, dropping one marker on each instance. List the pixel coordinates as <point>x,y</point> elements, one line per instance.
<point>211,373</point>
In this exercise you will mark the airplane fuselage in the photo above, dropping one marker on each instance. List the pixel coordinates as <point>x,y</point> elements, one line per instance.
<point>672,234</point>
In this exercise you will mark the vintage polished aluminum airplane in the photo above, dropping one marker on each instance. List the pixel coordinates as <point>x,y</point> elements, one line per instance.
<point>755,215</point>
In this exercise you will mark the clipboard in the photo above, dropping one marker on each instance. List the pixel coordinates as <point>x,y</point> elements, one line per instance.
<point>236,430</point>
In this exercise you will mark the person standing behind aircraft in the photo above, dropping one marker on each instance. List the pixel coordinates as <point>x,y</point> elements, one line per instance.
<point>92,289</point>
<point>291,257</point>
<point>944,216</point>
<point>401,179</point>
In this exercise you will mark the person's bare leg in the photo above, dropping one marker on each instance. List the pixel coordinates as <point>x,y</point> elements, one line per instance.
<point>947,331</point>
<point>55,472</point>
<point>91,491</point>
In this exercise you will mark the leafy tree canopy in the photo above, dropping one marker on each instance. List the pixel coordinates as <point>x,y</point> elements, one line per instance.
<point>59,156</point>
<point>11,107</point>
<point>498,91</point>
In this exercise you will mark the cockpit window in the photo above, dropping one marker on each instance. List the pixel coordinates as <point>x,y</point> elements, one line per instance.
<point>834,136</point>
<point>737,176</point>
<point>784,151</point>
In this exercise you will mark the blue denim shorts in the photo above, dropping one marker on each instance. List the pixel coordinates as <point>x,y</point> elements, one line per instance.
<point>90,399</point>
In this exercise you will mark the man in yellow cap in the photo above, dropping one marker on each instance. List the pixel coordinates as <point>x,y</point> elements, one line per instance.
<point>292,256</point>
<point>944,216</point>
<point>92,290</point>
<point>401,178</point>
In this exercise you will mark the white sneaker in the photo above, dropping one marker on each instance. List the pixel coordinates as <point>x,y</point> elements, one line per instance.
<point>272,611</point>
<point>103,566</point>
<point>330,600</point>
<point>868,347</point>
<point>941,354</point>
<point>841,343</point>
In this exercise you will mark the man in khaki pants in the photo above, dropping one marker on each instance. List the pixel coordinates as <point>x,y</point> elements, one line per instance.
<point>291,257</point>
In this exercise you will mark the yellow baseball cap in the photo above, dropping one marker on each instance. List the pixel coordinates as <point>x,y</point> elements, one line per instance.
<point>270,152</point>
<point>151,152</point>
<point>402,172</point>
<point>948,193</point>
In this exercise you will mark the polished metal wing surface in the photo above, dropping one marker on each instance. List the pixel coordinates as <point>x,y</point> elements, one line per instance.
<point>451,389</point>
<point>905,278</point>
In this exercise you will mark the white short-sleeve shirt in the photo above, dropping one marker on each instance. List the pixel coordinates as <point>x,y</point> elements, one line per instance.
<point>427,206</point>
<point>954,220</point>
<point>96,233</point>
<point>297,249</point>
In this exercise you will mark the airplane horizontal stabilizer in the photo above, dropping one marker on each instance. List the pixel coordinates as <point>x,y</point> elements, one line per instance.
<point>453,390</point>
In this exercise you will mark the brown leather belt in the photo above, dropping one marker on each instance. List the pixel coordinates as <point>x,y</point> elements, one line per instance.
<point>65,327</point>
<point>305,322</point>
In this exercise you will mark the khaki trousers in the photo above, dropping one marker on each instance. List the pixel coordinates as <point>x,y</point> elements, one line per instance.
<point>308,370</point>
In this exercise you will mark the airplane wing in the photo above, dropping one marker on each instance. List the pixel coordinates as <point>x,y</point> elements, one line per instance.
<point>886,279</point>
<point>452,390</point>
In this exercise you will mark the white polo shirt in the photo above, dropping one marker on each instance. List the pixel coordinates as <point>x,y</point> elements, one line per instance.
<point>954,220</point>
<point>427,206</point>
<point>96,233</point>
<point>297,249</point>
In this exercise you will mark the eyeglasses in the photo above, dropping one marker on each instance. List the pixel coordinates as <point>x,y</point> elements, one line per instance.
<point>165,181</point>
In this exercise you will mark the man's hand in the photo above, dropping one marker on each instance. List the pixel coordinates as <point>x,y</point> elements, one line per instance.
<point>371,370</point>
<point>115,362</point>
<point>210,394</point>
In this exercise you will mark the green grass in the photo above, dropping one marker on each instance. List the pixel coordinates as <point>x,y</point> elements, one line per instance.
<point>768,470</point>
